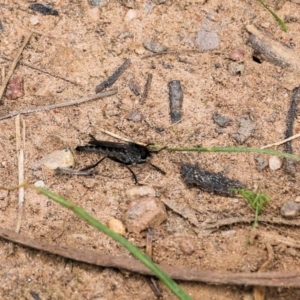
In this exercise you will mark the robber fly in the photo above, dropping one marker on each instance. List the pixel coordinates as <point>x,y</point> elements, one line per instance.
<point>123,153</point>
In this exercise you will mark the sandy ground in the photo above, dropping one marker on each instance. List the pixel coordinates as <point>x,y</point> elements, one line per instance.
<point>85,44</point>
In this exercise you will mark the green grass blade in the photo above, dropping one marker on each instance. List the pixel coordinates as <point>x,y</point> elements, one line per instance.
<point>172,285</point>
<point>231,149</point>
<point>282,24</point>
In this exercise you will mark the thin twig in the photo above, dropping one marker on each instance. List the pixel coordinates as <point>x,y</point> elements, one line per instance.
<point>281,142</point>
<point>44,71</point>
<point>231,221</point>
<point>274,279</point>
<point>20,143</point>
<point>120,137</point>
<point>58,105</point>
<point>13,66</point>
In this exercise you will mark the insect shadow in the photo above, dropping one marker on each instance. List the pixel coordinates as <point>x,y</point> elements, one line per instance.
<point>126,154</point>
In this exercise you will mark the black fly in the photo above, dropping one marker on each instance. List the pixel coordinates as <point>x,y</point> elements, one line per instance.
<point>123,153</point>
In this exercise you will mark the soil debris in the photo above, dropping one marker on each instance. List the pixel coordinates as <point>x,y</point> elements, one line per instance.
<point>114,77</point>
<point>207,181</point>
<point>43,9</point>
<point>176,99</point>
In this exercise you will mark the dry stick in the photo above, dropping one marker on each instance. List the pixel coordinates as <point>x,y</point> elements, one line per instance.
<point>58,105</point>
<point>43,71</point>
<point>13,66</point>
<point>150,280</point>
<point>271,50</point>
<point>146,89</point>
<point>291,116</point>
<point>259,292</point>
<point>119,137</point>
<point>231,221</point>
<point>281,142</point>
<point>114,77</point>
<point>20,141</point>
<point>274,279</point>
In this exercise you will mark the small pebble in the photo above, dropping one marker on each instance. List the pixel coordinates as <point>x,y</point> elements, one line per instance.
<point>140,191</point>
<point>275,163</point>
<point>117,226</point>
<point>260,163</point>
<point>34,20</point>
<point>15,88</point>
<point>297,199</point>
<point>59,159</point>
<point>39,183</point>
<point>246,129</point>
<point>290,210</point>
<point>145,213</point>
<point>99,3</point>
<point>130,15</point>
<point>154,46</point>
<point>135,116</point>
<point>235,68</point>
<point>222,121</point>
<point>207,40</point>
<point>135,87</point>
<point>237,55</point>
<point>187,246</point>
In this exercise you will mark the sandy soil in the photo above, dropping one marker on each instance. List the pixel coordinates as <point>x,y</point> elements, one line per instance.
<point>86,44</point>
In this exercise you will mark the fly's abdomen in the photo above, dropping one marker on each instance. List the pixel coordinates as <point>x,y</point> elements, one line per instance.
<point>92,148</point>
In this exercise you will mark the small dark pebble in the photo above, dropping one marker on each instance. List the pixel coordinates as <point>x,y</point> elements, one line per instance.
<point>222,121</point>
<point>154,46</point>
<point>44,10</point>
<point>135,87</point>
<point>166,65</point>
<point>1,27</point>
<point>159,129</point>
<point>35,295</point>
<point>217,183</point>
<point>176,99</point>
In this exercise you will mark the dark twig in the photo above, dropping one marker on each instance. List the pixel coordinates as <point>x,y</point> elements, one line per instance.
<point>291,116</point>
<point>274,279</point>
<point>146,89</point>
<point>114,77</point>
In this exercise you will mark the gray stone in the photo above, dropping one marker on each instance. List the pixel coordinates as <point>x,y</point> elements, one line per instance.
<point>290,210</point>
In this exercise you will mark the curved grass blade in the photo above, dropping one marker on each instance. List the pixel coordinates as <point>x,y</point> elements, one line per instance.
<point>172,285</point>
<point>281,23</point>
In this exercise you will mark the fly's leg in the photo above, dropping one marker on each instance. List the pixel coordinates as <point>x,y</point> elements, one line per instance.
<point>122,163</point>
<point>157,169</point>
<point>94,165</point>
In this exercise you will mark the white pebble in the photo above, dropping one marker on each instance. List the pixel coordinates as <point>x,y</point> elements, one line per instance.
<point>39,183</point>
<point>275,163</point>
<point>34,20</point>
<point>59,159</point>
<point>130,15</point>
